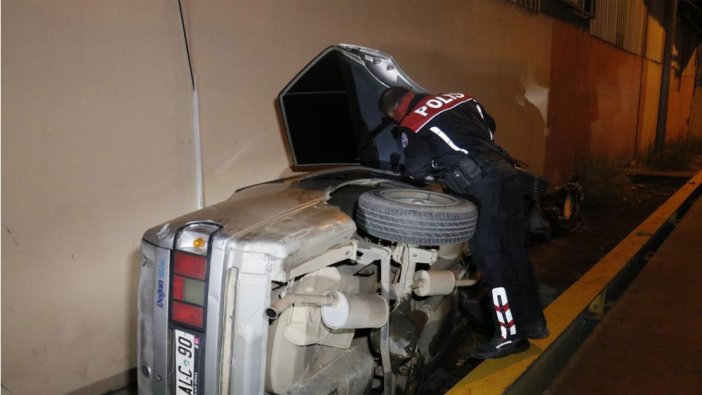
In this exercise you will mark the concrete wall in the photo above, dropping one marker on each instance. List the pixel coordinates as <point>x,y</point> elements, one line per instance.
<point>245,52</point>
<point>96,142</point>
<point>651,77</point>
<point>616,78</point>
<point>681,92</point>
<point>604,100</point>
<point>682,88</point>
<point>696,116</point>
<point>95,148</point>
<point>593,101</point>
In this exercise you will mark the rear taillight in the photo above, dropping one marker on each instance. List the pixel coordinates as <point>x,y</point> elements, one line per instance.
<point>188,290</point>
<point>188,314</point>
<point>188,296</point>
<point>188,304</point>
<point>189,265</point>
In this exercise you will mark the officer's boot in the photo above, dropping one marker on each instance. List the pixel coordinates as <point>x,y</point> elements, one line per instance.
<point>506,340</point>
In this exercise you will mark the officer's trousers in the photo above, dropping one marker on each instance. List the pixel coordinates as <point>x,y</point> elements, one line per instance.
<point>498,246</point>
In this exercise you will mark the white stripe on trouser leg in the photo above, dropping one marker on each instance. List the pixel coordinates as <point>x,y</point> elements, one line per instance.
<point>508,316</point>
<point>503,312</point>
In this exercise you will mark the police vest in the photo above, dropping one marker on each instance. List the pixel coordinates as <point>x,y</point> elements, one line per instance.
<point>430,107</point>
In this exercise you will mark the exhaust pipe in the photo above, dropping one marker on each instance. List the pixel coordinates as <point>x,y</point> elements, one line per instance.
<point>438,282</point>
<point>339,311</point>
<point>286,301</point>
<point>355,311</point>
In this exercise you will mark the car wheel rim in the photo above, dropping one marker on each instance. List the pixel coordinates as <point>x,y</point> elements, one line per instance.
<point>418,198</point>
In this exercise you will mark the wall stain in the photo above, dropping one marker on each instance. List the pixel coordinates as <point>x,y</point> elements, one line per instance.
<point>9,232</point>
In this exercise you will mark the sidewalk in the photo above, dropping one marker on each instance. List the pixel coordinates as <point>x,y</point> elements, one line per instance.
<point>579,308</point>
<point>640,170</point>
<point>650,342</point>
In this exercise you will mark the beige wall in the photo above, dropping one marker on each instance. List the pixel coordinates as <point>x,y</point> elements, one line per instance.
<point>96,142</point>
<point>245,52</point>
<point>650,84</point>
<point>650,97</point>
<point>696,115</point>
<point>682,88</point>
<point>96,126</point>
<point>593,103</point>
<point>681,92</point>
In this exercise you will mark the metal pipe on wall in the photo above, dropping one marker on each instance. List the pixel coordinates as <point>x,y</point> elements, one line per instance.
<point>199,190</point>
<point>665,77</point>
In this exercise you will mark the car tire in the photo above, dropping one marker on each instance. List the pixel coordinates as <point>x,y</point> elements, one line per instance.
<point>416,216</point>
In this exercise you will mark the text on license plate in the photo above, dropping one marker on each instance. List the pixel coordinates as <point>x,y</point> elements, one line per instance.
<point>184,348</point>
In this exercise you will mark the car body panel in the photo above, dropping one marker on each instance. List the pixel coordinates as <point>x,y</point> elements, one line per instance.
<point>266,237</point>
<point>271,232</point>
<point>330,111</point>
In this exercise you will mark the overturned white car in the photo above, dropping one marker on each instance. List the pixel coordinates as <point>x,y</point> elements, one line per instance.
<point>337,282</point>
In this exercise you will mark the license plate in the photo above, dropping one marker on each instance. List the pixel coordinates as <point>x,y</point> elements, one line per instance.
<point>185,346</point>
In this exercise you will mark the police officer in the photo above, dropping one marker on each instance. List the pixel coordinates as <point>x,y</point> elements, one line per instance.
<point>452,135</point>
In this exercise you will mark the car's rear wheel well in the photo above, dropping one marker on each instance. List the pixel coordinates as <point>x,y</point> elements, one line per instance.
<point>346,197</point>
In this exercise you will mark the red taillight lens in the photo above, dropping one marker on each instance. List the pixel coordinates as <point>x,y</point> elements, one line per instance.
<point>178,287</point>
<point>187,314</point>
<point>189,265</point>
<point>188,290</point>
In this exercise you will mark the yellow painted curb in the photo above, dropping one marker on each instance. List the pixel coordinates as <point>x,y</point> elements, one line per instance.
<point>496,376</point>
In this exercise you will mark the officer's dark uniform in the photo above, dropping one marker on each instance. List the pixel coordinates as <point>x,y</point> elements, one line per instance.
<point>453,135</point>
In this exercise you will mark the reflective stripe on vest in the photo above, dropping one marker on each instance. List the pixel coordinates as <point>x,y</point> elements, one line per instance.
<point>447,140</point>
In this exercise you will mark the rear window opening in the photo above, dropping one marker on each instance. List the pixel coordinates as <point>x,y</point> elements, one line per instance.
<point>326,136</point>
<point>317,108</point>
<point>330,111</point>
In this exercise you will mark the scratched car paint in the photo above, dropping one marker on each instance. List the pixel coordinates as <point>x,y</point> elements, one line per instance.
<point>329,282</point>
